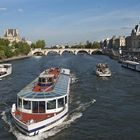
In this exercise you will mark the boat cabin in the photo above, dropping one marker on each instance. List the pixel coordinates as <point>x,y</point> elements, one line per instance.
<point>31,111</point>
<point>46,79</point>
<point>45,83</point>
<point>41,106</point>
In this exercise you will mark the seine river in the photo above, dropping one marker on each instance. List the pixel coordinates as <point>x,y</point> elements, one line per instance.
<point>114,116</point>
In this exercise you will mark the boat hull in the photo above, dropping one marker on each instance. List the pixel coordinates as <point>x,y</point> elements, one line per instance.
<point>4,75</point>
<point>100,74</point>
<point>39,127</point>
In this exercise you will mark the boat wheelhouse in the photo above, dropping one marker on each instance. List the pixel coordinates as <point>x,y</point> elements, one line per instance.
<point>43,104</point>
<point>5,70</point>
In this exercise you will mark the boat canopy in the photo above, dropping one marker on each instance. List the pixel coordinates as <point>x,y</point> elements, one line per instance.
<point>60,89</point>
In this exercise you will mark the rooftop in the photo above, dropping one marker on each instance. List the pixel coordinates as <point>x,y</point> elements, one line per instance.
<point>60,89</point>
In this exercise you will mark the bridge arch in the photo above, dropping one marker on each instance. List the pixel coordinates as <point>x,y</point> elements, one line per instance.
<point>98,52</point>
<point>82,51</point>
<point>52,52</point>
<point>67,51</point>
<point>38,53</point>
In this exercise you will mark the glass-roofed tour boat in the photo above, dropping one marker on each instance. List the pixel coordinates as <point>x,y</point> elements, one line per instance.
<point>43,104</point>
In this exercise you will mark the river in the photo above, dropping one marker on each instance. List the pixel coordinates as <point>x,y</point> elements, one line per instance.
<point>114,116</point>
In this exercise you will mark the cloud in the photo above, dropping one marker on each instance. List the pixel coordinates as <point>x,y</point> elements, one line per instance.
<point>3,9</point>
<point>20,10</point>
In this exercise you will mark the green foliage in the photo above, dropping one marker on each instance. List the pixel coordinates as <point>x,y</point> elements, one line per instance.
<point>53,47</point>
<point>2,54</point>
<point>4,42</point>
<point>7,50</point>
<point>88,45</point>
<point>33,45</point>
<point>39,44</point>
<point>21,48</point>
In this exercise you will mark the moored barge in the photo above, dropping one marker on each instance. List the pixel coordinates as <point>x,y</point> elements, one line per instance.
<point>131,65</point>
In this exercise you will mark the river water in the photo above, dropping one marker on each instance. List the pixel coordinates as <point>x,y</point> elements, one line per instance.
<point>114,116</point>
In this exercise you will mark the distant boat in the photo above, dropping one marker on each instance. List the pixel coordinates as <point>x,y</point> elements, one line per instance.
<point>43,104</point>
<point>103,70</point>
<point>131,65</point>
<point>5,70</point>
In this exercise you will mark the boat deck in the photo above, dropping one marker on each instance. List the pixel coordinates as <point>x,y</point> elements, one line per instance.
<point>36,117</point>
<point>60,88</point>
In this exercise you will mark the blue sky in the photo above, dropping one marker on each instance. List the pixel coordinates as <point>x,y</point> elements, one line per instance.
<point>69,21</point>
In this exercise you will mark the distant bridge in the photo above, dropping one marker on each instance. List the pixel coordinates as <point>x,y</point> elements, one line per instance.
<point>61,51</point>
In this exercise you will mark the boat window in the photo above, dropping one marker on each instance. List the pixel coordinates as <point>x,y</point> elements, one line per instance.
<point>19,102</point>
<point>50,80</point>
<point>35,107</point>
<point>26,104</point>
<point>65,99</point>
<point>51,104</point>
<point>41,107</point>
<point>41,79</point>
<point>60,102</point>
<point>38,107</point>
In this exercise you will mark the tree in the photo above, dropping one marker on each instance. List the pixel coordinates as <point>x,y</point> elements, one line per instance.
<point>4,42</point>
<point>7,51</point>
<point>88,45</point>
<point>2,54</point>
<point>40,44</point>
<point>24,48</point>
<point>33,45</point>
<point>96,45</point>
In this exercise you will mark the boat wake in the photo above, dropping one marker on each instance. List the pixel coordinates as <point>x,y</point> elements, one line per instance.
<point>73,79</point>
<point>42,136</point>
<point>83,106</point>
<point>72,117</point>
<point>4,117</point>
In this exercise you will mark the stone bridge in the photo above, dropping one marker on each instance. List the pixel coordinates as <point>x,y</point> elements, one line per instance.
<point>61,51</point>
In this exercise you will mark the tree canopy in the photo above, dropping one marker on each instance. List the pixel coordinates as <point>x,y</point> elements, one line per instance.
<point>38,44</point>
<point>87,45</point>
<point>8,50</point>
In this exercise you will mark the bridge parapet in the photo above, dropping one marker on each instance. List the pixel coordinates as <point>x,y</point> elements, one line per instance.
<point>61,51</point>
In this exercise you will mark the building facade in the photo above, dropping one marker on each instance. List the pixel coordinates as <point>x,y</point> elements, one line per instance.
<point>135,36</point>
<point>120,42</point>
<point>128,41</point>
<point>12,35</point>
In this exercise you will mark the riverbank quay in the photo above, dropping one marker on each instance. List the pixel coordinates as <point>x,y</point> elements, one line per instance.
<point>15,58</point>
<point>112,54</point>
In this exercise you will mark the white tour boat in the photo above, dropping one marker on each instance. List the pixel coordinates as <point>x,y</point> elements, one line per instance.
<point>103,70</point>
<point>43,104</point>
<point>5,69</point>
<point>131,65</point>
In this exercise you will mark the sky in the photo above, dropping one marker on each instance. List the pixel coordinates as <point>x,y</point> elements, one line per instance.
<point>69,21</point>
